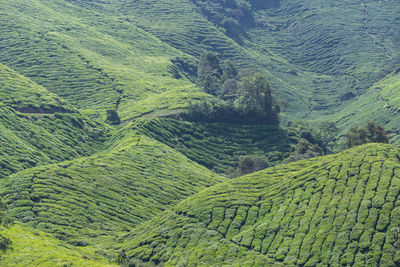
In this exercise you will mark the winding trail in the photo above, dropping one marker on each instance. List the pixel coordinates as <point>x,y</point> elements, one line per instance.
<point>372,36</point>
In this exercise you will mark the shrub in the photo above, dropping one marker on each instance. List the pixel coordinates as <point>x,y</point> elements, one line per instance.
<point>372,134</point>
<point>112,117</point>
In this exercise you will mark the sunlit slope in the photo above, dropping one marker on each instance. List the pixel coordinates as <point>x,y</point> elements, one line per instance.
<point>35,248</point>
<point>105,194</point>
<point>179,24</point>
<point>380,103</point>
<point>134,57</point>
<point>318,54</point>
<point>332,210</point>
<point>346,45</point>
<point>37,127</point>
<point>96,61</point>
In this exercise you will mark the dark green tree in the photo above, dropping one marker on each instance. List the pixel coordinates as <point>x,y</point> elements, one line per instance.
<point>327,135</point>
<point>246,165</point>
<point>209,73</point>
<point>356,136</point>
<point>373,133</point>
<point>256,101</point>
<point>229,71</point>
<point>376,133</point>
<point>112,117</point>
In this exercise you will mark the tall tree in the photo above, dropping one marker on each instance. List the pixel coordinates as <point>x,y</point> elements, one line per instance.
<point>209,73</point>
<point>256,99</point>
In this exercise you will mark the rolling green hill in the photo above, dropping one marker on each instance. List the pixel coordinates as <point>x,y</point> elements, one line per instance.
<point>102,196</point>
<point>37,127</point>
<point>96,61</point>
<point>81,190</point>
<point>219,146</point>
<point>332,210</point>
<point>35,248</point>
<point>140,57</point>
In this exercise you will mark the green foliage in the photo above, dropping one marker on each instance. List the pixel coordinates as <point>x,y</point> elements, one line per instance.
<point>244,98</point>
<point>255,101</point>
<point>327,135</point>
<point>137,57</point>
<point>5,221</point>
<point>233,15</point>
<point>37,127</point>
<point>248,164</point>
<point>371,134</point>
<point>112,117</point>
<point>209,73</point>
<point>331,210</point>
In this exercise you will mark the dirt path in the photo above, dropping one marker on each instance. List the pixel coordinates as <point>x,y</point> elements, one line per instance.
<point>372,36</point>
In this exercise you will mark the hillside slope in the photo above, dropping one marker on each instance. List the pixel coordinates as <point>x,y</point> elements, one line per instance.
<point>96,61</point>
<point>35,248</point>
<point>139,57</point>
<point>38,127</point>
<point>333,210</point>
<point>109,193</point>
<point>219,146</point>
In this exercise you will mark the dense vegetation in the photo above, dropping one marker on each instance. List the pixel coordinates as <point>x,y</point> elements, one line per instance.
<point>242,97</point>
<point>371,134</point>
<point>333,210</point>
<point>221,146</point>
<point>31,247</point>
<point>118,132</point>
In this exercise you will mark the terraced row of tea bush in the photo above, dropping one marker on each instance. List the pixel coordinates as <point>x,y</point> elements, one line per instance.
<point>104,54</point>
<point>96,61</point>
<point>332,210</point>
<point>105,194</point>
<point>31,247</point>
<point>313,78</point>
<point>325,37</point>
<point>180,24</point>
<point>37,127</point>
<point>219,146</point>
<point>384,110</point>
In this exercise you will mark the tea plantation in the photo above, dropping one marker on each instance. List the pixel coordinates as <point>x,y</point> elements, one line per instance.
<point>150,187</point>
<point>219,146</point>
<point>37,127</point>
<point>99,197</point>
<point>35,248</point>
<point>332,210</point>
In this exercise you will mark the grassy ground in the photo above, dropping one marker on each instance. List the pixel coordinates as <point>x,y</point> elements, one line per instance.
<point>333,210</point>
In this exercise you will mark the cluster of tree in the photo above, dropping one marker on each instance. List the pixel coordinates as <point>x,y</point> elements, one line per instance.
<point>233,15</point>
<point>372,133</point>
<point>310,143</point>
<point>113,117</point>
<point>244,97</point>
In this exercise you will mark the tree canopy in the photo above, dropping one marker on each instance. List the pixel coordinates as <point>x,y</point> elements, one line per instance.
<point>240,97</point>
<point>373,133</point>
